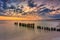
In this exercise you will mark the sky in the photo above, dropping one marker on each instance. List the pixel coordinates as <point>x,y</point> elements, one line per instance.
<point>49,8</point>
<point>55,3</point>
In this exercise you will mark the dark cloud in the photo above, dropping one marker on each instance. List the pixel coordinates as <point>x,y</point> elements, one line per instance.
<point>44,11</point>
<point>31,3</point>
<point>55,3</point>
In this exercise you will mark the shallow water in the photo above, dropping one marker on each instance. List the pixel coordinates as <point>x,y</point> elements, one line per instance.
<point>10,31</point>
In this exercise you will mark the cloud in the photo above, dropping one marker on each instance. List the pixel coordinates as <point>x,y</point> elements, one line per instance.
<point>55,14</point>
<point>44,11</point>
<point>49,13</point>
<point>44,4</point>
<point>31,3</point>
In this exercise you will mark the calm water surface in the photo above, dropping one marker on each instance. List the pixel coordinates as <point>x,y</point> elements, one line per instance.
<point>9,31</point>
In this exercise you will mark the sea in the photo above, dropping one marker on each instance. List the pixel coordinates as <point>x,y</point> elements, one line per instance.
<point>10,31</point>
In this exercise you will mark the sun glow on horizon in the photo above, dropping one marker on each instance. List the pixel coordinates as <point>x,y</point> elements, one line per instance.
<point>20,18</point>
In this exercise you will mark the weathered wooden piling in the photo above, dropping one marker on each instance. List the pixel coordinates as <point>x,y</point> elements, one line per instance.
<point>45,28</point>
<point>16,23</point>
<point>58,29</point>
<point>38,27</point>
<point>32,25</point>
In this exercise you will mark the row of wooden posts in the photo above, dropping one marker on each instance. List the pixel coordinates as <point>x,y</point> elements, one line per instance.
<point>32,25</point>
<point>48,28</point>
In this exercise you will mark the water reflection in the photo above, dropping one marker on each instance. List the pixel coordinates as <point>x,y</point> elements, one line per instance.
<point>3,22</point>
<point>10,31</point>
